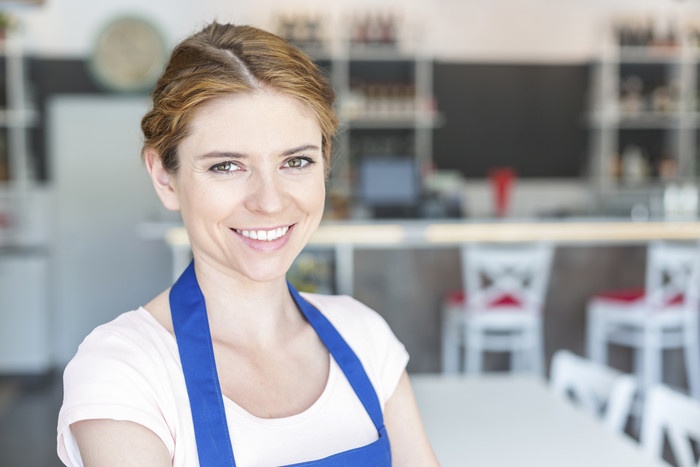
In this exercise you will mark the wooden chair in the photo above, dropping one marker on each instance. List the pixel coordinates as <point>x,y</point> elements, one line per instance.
<point>597,389</point>
<point>664,315</point>
<point>670,415</point>
<point>500,307</point>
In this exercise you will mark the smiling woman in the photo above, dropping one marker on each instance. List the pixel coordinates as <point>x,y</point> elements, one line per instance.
<point>231,365</point>
<point>250,163</point>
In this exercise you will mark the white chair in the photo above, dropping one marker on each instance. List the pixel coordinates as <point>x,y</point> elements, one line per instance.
<point>662,316</point>
<point>597,389</point>
<point>668,414</point>
<point>499,309</point>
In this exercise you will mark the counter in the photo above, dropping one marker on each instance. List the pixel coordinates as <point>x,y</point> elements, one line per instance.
<point>344,237</point>
<point>404,270</point>
<point>417,233</point>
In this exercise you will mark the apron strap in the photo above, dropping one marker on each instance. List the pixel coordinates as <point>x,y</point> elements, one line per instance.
<point>345,357</point>
<point>193,338</point>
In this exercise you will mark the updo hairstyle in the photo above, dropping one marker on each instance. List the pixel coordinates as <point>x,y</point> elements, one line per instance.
<point>222,60</point>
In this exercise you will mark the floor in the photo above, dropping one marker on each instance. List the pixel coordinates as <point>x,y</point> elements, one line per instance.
<point>28,414</point>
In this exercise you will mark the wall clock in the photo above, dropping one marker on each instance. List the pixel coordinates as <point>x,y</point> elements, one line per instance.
<point>129,55</point>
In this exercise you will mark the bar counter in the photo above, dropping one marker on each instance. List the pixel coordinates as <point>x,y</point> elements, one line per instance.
<point>430,233</point>
<point>404,269</point>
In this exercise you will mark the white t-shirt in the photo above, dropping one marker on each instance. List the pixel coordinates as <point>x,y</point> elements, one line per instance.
<point>129,369</point>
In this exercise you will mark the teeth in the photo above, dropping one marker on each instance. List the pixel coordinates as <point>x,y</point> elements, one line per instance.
<point>264,235</point>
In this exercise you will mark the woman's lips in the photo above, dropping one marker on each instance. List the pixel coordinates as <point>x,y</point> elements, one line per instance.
<point>264,235</point>
<point>265,239</point>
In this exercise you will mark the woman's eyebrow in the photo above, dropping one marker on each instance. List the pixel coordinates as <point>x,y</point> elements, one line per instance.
<point>239,155</point>
<point>305,147</point>
<point>221,155</point>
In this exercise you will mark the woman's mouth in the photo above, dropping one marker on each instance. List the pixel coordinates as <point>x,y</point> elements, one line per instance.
<point>264,235</point>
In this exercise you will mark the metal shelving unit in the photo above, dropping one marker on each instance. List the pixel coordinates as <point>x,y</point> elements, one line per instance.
<point>413,114</point>
<point>17,117</point>
<point>642,144</point>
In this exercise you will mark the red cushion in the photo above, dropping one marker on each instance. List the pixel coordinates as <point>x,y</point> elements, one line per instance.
<point>625,295</point>
<point>631,295</point>
<point>458,298</point>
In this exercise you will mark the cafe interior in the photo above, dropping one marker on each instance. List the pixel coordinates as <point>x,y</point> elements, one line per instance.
<point>514,189</point>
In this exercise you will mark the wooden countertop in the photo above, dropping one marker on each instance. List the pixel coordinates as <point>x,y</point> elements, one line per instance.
<point>562,232</point>
<point>435,233</point>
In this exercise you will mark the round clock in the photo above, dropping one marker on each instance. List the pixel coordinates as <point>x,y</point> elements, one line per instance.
<point>129,55</point>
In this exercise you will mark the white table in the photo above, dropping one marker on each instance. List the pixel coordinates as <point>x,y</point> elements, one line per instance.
<point>496,421</point>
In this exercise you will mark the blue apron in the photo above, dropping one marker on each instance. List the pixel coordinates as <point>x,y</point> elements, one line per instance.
<point>193,337</point>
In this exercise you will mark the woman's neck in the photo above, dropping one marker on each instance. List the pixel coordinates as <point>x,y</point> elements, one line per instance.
<point>245,311</point>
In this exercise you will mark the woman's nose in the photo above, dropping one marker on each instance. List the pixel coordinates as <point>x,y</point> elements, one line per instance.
<point>266,194</point>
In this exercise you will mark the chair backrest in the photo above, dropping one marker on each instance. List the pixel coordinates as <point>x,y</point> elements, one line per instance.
<point>598,389</point>
<point>518,273</point>
<point>674,416</point>
<point>672,275</point>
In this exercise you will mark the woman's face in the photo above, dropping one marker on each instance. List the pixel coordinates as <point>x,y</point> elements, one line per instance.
<point>250,185</point>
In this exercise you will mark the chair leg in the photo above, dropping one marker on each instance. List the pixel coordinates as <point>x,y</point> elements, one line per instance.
<point>529,357</point>
<point>451,339</point>
<point>474,350</point>
<point>538,349</point>
<point>651,358</point>
<point>590,332</point>
<point>520,359</point>
<point>692,359</point>
<point>596,337</point>
<point>450,353</point>
<point>639,354</point>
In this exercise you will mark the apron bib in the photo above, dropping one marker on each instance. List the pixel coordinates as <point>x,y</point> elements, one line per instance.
<point>193,337</point>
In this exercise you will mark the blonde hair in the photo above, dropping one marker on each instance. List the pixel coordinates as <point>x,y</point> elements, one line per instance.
<point>223,59</point>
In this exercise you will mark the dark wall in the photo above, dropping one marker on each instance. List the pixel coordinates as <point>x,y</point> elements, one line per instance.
<point>526,116</point>
<point>49,77</point>
<point>530,117</point>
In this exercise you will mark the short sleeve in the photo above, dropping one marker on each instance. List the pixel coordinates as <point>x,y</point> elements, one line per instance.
<point>389,355</point>
<point>110,378</point>
<point>383,356</point>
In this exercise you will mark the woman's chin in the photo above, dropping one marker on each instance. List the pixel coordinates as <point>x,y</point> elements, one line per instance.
<point>264,275</point>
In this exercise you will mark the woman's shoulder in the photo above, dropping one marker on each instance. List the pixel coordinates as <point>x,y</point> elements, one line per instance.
<point>136,327</point>
<point>344,310</point>
<point>383,356</point>
<point>123,370</point>
<point>133,338</point>
<point>119,360</point>
<point>359,324</point>
<point>336,302</point>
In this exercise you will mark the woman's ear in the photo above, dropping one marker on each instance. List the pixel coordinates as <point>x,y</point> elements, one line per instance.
<point>162,180</point>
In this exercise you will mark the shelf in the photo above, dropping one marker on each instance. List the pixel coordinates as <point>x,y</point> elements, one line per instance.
<point>643,120</point>
<point>385,90</point>
<point>395,122</point>
<point>370,53</point>
<point>18,118</point>
<point>650,186</point>
<point>649,55</point>
<point>630,82</point>
<point>649,120</point>
<point>359,53</point>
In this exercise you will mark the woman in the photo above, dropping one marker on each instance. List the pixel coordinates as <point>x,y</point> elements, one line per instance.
<point>238,140</point>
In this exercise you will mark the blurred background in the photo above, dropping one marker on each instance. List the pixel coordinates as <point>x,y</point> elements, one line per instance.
<point>452,111</point>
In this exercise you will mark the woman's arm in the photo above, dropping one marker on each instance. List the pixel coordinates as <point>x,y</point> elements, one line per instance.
<point>112,443</point>
<point>409,443</point>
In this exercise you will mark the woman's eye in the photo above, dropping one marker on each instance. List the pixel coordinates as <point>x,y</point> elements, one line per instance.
<point>298,162</point>
<point>227,166</point>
